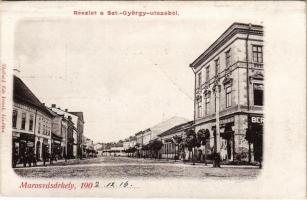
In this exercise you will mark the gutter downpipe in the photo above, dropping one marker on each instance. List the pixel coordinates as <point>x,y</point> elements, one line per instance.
<point>194,106</point>
<point>247,87</point>
<point>34,130</point>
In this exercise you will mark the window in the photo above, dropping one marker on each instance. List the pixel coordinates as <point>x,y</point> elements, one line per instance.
<point>257,54</point>
<point>227,56</point>
<point>207,99</point>
<point>14,122</point>
<point>217,66</point>
<point>199,114</point>
<point>207,73</point>
<point>228,96</point>
<point>44,129</point>
<point>31,123</point>
<point>258,94</point>
<point>23,121</point>
<point>39,127</point>
<point>199,79</point>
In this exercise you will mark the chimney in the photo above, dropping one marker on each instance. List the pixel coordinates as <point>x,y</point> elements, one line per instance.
<point>66,110</point>
<point>16,72</point>
<point>53,105</point>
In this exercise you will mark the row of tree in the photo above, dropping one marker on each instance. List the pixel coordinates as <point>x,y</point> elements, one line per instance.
<point>190,141</point>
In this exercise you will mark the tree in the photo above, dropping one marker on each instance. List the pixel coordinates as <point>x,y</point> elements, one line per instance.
<point>155,146</point>
<point>202,137</point>
<point>177,141</point>
<point>191,142</point>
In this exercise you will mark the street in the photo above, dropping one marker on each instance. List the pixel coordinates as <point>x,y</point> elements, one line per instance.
<point>124,167</point>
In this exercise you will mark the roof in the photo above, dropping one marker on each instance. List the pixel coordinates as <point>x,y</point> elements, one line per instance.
<point>176,129</point>
<point>166,125</point>
<point>79,115</point>
<point>21,93</point>
<point>234,29</point>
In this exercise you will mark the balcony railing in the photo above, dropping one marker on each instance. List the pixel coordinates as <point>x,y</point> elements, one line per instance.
<point>255,65</point>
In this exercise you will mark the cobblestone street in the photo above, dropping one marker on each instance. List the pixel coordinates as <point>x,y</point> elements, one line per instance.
<point>121,167</point>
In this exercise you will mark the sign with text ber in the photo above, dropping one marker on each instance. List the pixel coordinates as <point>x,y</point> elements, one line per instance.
<point>256,119</point>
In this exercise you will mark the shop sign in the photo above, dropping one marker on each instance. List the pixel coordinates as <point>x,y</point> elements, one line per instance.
<point>256,119</point>
<point>45,141</point>
<point>227,120</point>
<point>16,134</point>
<point>30,144</point>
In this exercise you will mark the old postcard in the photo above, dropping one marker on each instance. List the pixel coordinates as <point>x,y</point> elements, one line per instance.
<point>153,99</point>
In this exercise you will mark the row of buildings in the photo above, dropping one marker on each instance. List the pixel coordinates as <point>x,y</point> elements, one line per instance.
<point>228,101</point>
<point>40,130</point>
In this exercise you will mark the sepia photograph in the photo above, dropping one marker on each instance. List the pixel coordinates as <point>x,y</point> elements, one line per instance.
<point>121,95</point>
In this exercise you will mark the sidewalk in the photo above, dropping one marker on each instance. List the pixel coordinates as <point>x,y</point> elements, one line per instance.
<point>209,164</point>
<point>55,163</point>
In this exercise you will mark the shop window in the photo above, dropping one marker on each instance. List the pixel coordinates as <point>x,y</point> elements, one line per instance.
<point>228,96</point>
<point>23,121</point>
<point>257,54</point>
<point>227,58</point>
<point>258,94</point>
<point>31,123</point>
<point>14,122</point>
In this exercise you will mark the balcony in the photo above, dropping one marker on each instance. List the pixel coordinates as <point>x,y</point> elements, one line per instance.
<point>253,65</point>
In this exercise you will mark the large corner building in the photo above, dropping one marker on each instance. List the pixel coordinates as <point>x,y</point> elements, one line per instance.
<point>229,93</point>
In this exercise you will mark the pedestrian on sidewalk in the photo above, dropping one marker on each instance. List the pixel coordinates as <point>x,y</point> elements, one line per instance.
<point>45,157</point>
<point>15,157</point>
<point>24,159</point>
<point>52,157</point>
<point>29,157</point>
<point>65,156</point>
<point>34,160</point>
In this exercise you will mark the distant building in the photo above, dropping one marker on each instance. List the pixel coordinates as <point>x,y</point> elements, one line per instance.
<point>229,93</point>
<point>89,147</point>
<point>78,121</point>
<point>80,130</point>
<point>143,138</point>
<point>71,139</point>
<point>170,149</point>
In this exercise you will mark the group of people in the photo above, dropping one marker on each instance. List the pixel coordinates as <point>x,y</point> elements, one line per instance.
<point>28,157</point>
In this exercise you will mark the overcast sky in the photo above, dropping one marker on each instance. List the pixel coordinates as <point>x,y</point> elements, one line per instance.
<point>124,74</point>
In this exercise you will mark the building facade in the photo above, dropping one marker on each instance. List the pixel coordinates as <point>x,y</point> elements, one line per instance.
<point>71,130</point>
<point>78,121</point>
<point>229,93</point>
<point>171,148</point>
<point>31,124</point>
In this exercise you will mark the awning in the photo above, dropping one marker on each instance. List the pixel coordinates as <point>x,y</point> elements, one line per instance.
<point>56,137</point>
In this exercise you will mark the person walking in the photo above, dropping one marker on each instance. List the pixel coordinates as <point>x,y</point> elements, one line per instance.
<point>51,156</point>
<point>24,158</point>
<point>29,157</point>
<point>65,156</point>
<point>15,157</point>
<point>34,160</point>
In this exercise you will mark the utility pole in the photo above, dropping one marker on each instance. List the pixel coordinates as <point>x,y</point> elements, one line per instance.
<point>217,125</point>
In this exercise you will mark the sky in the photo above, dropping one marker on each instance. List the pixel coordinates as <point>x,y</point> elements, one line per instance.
<point>125,75</point>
